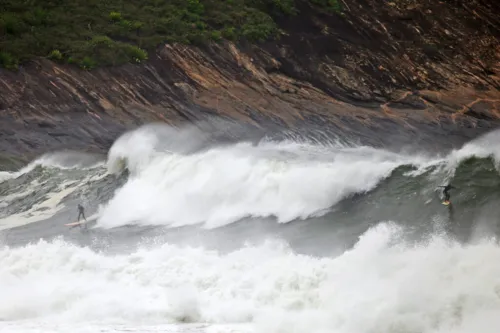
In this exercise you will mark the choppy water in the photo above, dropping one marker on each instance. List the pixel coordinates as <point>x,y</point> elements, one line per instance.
<point>187,235</point>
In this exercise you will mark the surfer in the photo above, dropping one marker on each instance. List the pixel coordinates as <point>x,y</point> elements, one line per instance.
<point>446,189</point>
<point>81,213</point>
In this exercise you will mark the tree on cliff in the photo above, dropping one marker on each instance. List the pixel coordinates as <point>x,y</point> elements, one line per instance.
<point>92,33</point>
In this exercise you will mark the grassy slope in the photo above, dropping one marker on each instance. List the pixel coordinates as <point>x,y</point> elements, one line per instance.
<point>92,33</point>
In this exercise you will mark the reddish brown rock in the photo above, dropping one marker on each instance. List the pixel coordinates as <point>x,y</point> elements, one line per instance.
<point>404,70</point>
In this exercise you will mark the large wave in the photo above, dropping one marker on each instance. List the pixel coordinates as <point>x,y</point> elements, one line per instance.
<point>181,176</point>
<point>218,185</point>
<point>223,185</point>
<point>383,284</point>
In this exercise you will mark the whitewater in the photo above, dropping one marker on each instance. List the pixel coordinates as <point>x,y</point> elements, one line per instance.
<point>187,234</point>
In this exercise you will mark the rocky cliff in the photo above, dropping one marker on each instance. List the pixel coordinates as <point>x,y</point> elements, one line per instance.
<point>384,72</point>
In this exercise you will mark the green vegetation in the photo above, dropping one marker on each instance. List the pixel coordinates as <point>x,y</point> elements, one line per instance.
<point>92,33</point>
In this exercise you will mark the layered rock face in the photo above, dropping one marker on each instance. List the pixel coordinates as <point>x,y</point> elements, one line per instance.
<point>383,72</point>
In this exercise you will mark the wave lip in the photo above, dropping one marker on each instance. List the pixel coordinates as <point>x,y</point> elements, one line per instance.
<point>135,149</point>
<point>486,146</point>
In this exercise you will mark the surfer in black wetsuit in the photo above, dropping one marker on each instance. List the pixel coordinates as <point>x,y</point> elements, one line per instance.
<point>81,213</point>
<point>446,189</point>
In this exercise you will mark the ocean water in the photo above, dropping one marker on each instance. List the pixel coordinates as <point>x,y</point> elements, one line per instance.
<point>273,236</point>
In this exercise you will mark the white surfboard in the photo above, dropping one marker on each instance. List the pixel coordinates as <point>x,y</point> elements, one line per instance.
<point>89,219</point>
<point>74,223</point>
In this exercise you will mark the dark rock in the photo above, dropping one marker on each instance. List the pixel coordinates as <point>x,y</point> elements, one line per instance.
<point>379,72</point>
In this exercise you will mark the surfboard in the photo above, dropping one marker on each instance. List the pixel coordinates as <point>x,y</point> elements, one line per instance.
<point>88,221</point>
<point>446,203</point>
<point>74,223</point>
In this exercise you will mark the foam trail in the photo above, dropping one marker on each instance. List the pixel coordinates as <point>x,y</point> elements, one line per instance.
<point>383,284</point>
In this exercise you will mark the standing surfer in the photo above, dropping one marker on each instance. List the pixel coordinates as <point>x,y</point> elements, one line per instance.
<point>446,194</point>
<point>81,213</point>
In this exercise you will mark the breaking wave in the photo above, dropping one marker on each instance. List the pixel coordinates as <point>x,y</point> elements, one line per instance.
<point>287,180</point>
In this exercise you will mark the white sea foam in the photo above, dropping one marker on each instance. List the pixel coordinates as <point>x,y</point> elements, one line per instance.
<point>221,185</point>
<point>47,327</point>
<point>383,284</point>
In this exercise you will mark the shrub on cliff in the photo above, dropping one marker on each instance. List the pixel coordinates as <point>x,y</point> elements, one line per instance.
<point>93,33</point>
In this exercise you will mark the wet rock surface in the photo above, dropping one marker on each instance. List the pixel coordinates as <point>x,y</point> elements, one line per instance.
<point>391,73</point>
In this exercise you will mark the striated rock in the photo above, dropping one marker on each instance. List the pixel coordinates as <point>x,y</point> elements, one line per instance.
<point>383,72</point>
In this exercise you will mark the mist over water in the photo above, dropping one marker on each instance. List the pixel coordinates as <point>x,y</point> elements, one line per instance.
<point>197,230</point>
